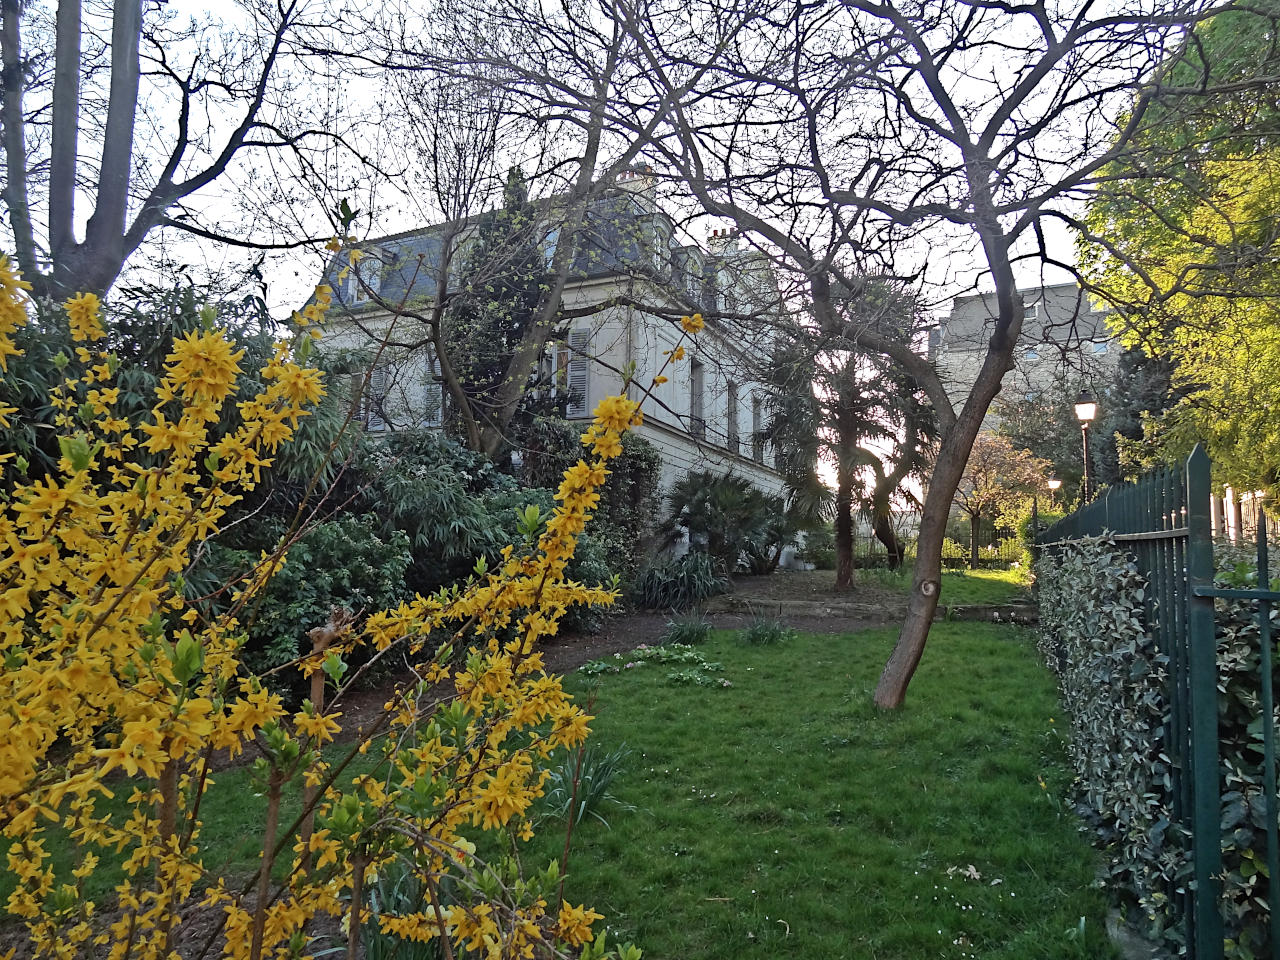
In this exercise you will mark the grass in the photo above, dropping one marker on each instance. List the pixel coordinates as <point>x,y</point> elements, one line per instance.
<point>783,817</point>
<point>959,587</point>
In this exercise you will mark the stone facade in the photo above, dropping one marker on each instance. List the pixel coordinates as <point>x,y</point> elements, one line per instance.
<point>1063,336</point>
<point>709,413</point>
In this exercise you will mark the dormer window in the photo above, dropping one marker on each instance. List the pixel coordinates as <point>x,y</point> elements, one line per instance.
<point>364,281</point>
<point>1031,311</point>
<point>1031,354</point>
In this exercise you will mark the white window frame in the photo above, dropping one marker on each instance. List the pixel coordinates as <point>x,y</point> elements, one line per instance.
<point>732,436</point>
<point>697,399</point>
<point>369,270</point>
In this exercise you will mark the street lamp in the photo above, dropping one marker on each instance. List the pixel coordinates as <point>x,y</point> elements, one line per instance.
<point>1054,487</point>
<point>1086,410</point>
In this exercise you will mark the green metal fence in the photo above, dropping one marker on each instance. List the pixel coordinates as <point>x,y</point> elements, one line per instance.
<point>1165,520</point>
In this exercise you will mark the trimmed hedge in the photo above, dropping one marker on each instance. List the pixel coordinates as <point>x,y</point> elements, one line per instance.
<point>1113,681</point>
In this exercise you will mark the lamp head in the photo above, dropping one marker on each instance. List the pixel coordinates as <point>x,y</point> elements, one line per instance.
<point>1086,407</point>
<point>1055,484</point>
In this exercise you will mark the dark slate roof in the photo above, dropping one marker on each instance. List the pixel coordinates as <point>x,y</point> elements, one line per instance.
<point>620,236</point>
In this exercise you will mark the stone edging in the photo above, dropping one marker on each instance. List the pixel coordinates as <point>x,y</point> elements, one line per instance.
<point>761,607</point>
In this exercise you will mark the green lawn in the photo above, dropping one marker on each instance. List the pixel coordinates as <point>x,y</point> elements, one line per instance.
<point>959,587</point>
<point>783,816</point>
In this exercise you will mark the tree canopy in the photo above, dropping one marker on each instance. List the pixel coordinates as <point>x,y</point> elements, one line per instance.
<point>1187,250</point>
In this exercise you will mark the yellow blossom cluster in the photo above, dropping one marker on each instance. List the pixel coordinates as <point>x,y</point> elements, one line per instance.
<point>112,685</point>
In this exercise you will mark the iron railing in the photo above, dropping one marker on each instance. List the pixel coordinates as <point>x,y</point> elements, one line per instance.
<point>1164,519</point>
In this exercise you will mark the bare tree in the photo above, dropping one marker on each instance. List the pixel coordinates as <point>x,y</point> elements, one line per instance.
<point>185,104</point>
<point>567,88</point>
<point>860,138</point>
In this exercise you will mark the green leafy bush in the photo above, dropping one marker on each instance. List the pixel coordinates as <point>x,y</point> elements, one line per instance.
<point>677,584</point>
<point>819,548</point>
<point>954,554</point>
<point>628,502</point>
<point>346,562</point>
<point>591,561</point>
<point>766,632</point>
<point>1113,681</point>
<point>729,519</point>
<point>689,631</point>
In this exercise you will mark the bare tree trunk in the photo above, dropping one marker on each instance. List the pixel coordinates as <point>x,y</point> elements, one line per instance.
<point>882,526</point>
<point>949,466</point>
<point>66,129</point>
<point>975,527</point>
<point>103,251</point>
<point>12,84</point>
<point>844,527</point>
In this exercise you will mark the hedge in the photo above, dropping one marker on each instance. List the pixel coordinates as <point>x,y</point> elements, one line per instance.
<point>1113,683</point>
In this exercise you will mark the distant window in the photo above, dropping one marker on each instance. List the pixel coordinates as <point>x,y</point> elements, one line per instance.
<point>660,253</point>
<point>549,245</point>
<point>573,366</point>
<point>1030,311</point>
<point>1099,348</point>
<point>1031,354</point>
<point>732,441</point>
<point>373,390</point>
<point>1032,395</point>
<point>433,396</point>
<point>757,429</point>
<point>697,384</point>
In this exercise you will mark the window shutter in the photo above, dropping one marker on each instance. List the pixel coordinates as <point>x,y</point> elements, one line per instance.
<point>578,378</point>
<point>433,396</point>
<point>731,418</point>
<point>375,399</point>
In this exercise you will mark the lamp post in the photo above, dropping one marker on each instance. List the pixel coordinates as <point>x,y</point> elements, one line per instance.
<point>1054,486</point>
<point>1086,410</point>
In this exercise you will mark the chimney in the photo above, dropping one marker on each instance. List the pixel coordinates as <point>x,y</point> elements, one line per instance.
<point>723,241</point>
<point>639,181</point>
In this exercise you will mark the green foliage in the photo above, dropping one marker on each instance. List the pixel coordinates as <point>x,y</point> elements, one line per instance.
<point>624,518</point>
<point>1113,685</point>
<point>345,562</point>
<point>687,631</point>
<point>764,632</point>
<point>141,323</point>
<point>505,272</point>
<point>819,547</point>
<point>694,668</point>
<point>954,554</point>
<point>677,584</point>
<point>591,563</point>
<point>1188,229</point>
<point>582,785</point>
<point>730,520</point>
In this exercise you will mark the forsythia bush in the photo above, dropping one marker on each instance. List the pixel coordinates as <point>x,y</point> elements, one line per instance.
<point>112,685</point>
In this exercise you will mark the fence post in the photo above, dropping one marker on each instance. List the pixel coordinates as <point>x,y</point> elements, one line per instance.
<point>1206,833</point>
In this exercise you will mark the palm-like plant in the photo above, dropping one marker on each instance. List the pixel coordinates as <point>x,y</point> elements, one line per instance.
<point>862,414</point>
<point>726,517</point>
